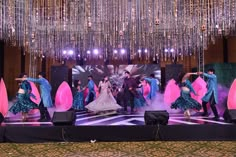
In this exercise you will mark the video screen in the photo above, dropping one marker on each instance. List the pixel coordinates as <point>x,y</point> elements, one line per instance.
<point>114,72</point>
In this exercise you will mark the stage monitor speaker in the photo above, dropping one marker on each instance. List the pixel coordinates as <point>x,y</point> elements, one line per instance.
<point>1,118</point>
<point>156,117</point>
<point>63,118</point>
<point>230,116</point>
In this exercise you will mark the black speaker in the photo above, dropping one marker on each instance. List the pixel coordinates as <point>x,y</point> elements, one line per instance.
<point>156,117</point>
<point>230,116</point>
<point>58,75</point>
<point>172,71</point>
<point>1,118</point>
<point>63,118</point>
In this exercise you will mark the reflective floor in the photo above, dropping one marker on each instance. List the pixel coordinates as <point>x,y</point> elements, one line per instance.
<point>85,118</point>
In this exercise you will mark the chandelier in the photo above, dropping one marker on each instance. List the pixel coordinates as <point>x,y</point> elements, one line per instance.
<point>115,29</point>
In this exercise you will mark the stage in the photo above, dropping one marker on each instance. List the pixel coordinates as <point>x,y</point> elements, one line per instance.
<point>116,127</point>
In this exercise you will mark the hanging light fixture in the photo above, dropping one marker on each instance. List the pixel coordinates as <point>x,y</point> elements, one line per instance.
<point>48,26</point>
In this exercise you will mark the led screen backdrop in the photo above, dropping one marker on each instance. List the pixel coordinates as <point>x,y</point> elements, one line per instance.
<point>115,73</point>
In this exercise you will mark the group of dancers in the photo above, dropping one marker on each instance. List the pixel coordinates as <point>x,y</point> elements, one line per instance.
<point>107,99</point>
<point>132,94</point>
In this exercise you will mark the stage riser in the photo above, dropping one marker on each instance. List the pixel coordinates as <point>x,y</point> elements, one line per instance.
<point>117,133</point>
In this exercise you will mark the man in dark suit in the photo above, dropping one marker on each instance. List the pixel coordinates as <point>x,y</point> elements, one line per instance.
<point>129,87</point>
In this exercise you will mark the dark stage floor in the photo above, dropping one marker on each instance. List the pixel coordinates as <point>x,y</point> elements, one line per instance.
<point>116,127</point>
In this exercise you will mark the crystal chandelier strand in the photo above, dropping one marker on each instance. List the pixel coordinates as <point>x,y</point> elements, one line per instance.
<point>167,28</point>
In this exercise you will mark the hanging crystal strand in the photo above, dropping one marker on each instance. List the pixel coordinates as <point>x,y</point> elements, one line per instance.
<point>111,19</point>
<point>134,27</point>
<point>57,36</point>
<point>75,28</point>
<point>87,37</point>
<point>22,10</point>
<point>221,16</point>
<point>107,49</point>
<point>212,21</point>
<point>52,15</point>
<point>228,15</point>
<point>82,26</point>
<point>159,30</point>
<point>109,28</point>
<point>9,17</point>
<point>5,20</point>
<point>204,26</point>
<point>63,22</point>
<point>149,40</point>
<point>153,50</point>
<point>16,29</point>
<point>93,21</point>
<point>217,17</point>
<point>119,25</point>
<point>225,17</point>
<point>102,42</point>
<point>146,44</point>
<point>162,18</point>
<point>32,34</point>
<point>144,22</point>
<point>142,26</point>
<point>129,32</point>
<point>55,23</point>
<point>8,21</point>
<point>233,16</point>
<point>46,41</point>
<point>25,30</point>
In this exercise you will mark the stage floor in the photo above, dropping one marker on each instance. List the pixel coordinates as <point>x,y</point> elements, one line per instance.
<point>115,127</point>
<point>84,118</point>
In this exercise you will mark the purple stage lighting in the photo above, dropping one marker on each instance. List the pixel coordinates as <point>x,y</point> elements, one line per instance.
<point>122,51</point>
<point>88,52</point>
<point>115,51</point>
<point>71,52</point>
<point>64,52</point>
<point>146,51</point>
<point>95,51</point>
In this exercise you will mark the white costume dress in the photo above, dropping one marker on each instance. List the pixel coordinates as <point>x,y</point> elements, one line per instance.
<point>105,101</point>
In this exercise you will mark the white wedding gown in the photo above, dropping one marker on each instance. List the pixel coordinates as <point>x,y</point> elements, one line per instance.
<point>105,101</point>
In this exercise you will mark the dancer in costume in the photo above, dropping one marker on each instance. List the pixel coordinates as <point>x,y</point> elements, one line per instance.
<point>154,86</point>
<point>139,100</point>
<point>115,91</point>
<point>145,89</point>
<point>185,102</point>
<point>45,92</point>
<point>105,101</point>
<point>78,101</point>
<point>129,87</point>
<point>212,93</point>
<point>23,103</point>
<point>91,93</point>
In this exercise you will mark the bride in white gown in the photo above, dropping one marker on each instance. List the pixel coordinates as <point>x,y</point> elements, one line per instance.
<point>105,101</point>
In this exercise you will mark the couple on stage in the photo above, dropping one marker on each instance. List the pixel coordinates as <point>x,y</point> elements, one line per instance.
<point>185,102</point>
<point>24,103</point>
